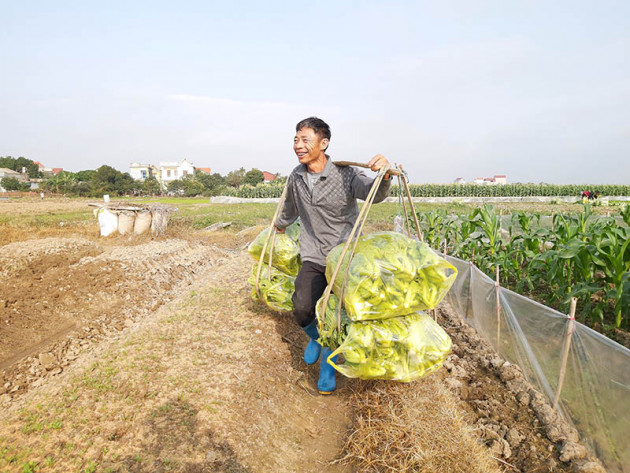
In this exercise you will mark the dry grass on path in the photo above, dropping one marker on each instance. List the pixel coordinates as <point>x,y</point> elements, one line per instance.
<point>417,427</point>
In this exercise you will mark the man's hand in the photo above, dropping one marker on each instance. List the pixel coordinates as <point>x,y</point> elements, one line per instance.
<point>277,229</point>
<point>377,162</point>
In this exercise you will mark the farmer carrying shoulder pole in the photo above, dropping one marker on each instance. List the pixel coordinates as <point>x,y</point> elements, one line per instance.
<point>324,196</point>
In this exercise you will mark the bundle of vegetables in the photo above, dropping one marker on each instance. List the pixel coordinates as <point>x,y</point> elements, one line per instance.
<point>390,275</point>
<point>329,334</point>
<point>400,348</point>
<point>286,249</point>
<point>276,288</point>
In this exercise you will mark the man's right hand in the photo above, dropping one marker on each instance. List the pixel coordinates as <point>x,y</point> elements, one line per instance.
<point>276,229</point>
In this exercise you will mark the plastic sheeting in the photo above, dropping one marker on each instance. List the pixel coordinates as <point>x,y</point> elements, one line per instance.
<point>597,377</point>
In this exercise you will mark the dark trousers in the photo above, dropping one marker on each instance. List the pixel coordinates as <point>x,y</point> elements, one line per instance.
<point>310,284</point>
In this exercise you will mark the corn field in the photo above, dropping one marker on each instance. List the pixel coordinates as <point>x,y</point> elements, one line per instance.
<point>453,190</point>
<point>511,190</point>
<point>549,258</point>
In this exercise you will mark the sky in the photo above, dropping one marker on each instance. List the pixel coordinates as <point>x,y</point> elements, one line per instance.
<point>536,90</point>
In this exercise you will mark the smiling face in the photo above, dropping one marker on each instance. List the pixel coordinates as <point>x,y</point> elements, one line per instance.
<point>309,148</point>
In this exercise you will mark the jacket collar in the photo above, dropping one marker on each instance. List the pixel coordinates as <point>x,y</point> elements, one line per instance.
<point>303,170</point>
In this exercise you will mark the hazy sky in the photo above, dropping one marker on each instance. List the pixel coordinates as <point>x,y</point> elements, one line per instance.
<point>536,90</point>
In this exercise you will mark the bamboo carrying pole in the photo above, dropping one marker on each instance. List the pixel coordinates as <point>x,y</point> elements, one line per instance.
<point>497,287</point>
<point>565,351</point>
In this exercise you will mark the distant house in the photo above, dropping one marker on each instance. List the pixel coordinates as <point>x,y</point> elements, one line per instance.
<point>171,171</point>
<point>141,172</point>
<point>498,179</point>
<point>268,176</point>
<point>460,180</point>
<point>56,171</point>
<point>203,170</point>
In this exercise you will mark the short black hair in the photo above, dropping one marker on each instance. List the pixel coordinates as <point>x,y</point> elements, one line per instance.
<point>319,126</point>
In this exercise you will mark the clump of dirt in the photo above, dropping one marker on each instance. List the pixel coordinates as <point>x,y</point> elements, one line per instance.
<point>512,418</point>
<point>60,295</point>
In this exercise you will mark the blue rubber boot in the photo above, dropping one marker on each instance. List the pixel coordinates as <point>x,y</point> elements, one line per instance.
<point>311,354</point>
<point>326,384</point>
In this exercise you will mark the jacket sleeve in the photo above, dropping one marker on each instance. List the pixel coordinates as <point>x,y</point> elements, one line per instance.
<point>361,185</point>
<point>289,213</point>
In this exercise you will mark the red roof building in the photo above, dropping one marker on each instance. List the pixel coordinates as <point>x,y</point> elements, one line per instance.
<point>268,176</point>
<point>56,171</point>
<point>204,170</point>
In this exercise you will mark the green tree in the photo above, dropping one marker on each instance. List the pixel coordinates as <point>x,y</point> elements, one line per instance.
<point>210,181</point>
<point>151,186</point>
<point>109,180</point>
<point>85,176</point>
<point>62,183</point>
<point>253,177</point>
<point>192,186</point>
<point>235,178</point>
<point>12,184</point>
<point>16,164</point>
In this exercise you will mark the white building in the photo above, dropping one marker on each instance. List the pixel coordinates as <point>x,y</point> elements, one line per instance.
<point>141,172</point>
<point>171,171</point>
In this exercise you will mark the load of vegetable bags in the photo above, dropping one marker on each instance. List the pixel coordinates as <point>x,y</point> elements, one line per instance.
<point>390,274</point>
<point>381,334</point>
<point>277,284</point>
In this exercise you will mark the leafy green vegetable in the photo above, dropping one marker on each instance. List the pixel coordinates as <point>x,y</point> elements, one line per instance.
<point>401,348</point>
<point>276,289</point>
<point>390,275</point>
<point>286,249</point>
<point>329,335</point>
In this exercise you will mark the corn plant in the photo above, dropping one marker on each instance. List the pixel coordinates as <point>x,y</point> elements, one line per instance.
<point>584,256</point>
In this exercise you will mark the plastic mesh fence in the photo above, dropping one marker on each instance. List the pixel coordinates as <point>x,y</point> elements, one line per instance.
<point>597,377</point>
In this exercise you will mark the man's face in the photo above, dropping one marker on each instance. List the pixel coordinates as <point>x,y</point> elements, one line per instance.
<point>308,146</point>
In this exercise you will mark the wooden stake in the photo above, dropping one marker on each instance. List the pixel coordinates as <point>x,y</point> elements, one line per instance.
<point>565,352</point>
<point>469,299</point>
<point>498,293</point>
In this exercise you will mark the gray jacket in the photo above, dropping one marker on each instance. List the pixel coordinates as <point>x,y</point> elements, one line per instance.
<point>328,213</point>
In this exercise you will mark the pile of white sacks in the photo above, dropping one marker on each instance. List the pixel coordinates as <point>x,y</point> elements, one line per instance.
<point>128,220</point>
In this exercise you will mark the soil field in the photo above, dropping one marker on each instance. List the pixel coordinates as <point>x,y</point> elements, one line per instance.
<point>140,354</point>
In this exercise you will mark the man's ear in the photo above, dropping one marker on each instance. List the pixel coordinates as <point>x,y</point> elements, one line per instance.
<point>324,144</point>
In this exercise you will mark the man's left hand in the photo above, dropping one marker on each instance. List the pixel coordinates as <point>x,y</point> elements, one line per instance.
<point>377,162</point>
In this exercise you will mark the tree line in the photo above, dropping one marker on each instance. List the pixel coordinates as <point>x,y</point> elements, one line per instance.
<point>107,180</point>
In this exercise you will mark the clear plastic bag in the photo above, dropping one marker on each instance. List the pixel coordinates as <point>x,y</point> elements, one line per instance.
<point>276,289</point>
<point>390,275</point>
<point>399,349</point>
<point>286,249</point>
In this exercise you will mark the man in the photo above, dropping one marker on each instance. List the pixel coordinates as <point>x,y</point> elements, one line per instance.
<point>324,196</point>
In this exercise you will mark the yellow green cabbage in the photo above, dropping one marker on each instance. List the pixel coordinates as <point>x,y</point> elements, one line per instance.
<point>400,348</point>
<point>286,249</point>
<point>329,335</point>
<point>276,291</point>
<point>390,275</point>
